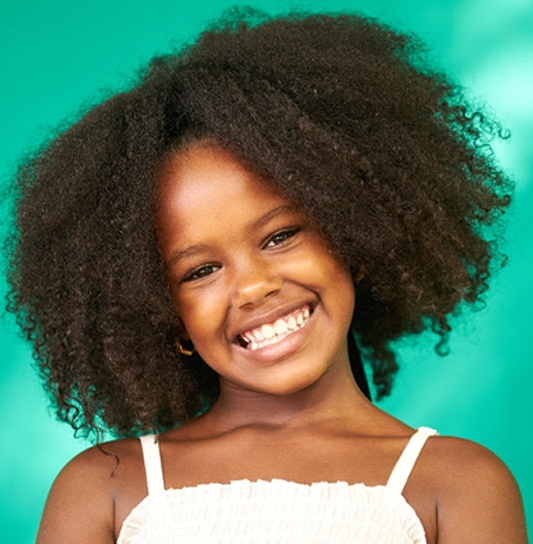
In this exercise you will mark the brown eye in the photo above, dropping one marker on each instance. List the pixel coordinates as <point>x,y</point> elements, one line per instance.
<point>201,272</point>
<point>280,237</point>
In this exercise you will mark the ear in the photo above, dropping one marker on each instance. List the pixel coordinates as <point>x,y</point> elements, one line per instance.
<point>181,330</point>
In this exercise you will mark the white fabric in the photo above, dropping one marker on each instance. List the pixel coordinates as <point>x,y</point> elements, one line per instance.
<point>152,464</point>
<point>400,473</point>
<point>277,511</point>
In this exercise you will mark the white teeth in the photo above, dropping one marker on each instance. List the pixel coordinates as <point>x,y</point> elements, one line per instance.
<point>280,326</point>
<point>272,333</point>
<point>268,331</point>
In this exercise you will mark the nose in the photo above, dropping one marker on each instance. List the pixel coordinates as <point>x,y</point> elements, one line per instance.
<point>254,284</point>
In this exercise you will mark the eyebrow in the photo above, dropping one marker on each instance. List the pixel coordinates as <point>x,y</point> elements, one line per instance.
<point>274,212</point>
<point>192,250</point>
<point>260,222</point>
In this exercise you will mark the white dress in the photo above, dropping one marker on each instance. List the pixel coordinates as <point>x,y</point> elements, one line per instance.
<point>277,511</point>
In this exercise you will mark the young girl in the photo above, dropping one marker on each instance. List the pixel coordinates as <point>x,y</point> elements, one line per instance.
<point>201,260</point>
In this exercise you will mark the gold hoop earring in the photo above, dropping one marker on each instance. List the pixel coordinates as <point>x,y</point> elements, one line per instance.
<point>185,350</point>
<point>360,275</point>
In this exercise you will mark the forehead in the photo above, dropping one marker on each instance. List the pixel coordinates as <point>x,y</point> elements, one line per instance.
<point>204,183</point>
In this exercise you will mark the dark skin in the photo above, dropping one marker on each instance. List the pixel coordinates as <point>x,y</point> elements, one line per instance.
<point>238,253</point>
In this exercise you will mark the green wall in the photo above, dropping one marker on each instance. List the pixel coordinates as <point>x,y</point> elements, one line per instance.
<point>56,54</point>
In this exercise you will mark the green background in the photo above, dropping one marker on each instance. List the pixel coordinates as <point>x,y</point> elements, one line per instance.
<point>56,55</point>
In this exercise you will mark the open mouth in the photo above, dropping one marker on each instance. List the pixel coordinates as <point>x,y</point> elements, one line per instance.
<point>272,333</point>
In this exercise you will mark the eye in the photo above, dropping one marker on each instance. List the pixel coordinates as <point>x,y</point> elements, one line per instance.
<point>201,272</point>
<point>281,237</point>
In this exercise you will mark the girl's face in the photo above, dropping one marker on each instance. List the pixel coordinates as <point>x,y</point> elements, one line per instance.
<point>264,302</point>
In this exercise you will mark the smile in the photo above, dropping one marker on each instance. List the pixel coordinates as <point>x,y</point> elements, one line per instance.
<point>272,333</point>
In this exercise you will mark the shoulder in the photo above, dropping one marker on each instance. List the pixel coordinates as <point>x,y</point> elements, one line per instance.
<point>477,498</point>
<point>456,462</point>
<point>101,465</point>
<point>81,503</point>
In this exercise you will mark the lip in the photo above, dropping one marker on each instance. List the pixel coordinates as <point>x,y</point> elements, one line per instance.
<point>284,347</point>
<point>269,317</point>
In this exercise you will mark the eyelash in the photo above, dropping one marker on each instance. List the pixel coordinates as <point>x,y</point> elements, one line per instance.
<point>285,234</point>
<point>200,272</point>
<point>278,238</point>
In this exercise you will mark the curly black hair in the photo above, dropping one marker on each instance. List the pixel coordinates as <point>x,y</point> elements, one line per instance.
<point>349,121</point>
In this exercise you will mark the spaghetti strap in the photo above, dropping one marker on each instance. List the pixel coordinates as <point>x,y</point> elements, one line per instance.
<point>400,473</point>
<point>152,464</point>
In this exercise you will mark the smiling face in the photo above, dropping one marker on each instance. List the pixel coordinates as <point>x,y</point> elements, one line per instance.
<point>260,295</point>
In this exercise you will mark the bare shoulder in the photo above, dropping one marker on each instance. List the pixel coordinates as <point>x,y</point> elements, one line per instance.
<point>81,503</point>
<point>477,497</point>
<point>98,466</point>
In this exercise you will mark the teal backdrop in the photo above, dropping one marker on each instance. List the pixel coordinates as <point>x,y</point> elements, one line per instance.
<point>58,54</point>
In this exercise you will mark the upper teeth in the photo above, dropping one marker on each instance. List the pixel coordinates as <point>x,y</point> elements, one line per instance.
<point>271,333</point>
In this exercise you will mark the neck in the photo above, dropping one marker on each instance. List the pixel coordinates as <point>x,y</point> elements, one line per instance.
<point>335,396</point>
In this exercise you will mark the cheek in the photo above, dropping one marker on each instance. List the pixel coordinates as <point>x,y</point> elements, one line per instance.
<point>321,272</point>
<point>343,292</point>
<point>199,311</point>
<point>328,270</point>
<point>340,292</point>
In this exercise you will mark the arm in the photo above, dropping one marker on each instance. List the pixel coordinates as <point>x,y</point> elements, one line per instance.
<point>79,507</point>
<point>479,501</point>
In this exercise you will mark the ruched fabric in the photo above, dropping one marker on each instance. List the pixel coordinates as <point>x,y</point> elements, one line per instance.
<point>278,512</point>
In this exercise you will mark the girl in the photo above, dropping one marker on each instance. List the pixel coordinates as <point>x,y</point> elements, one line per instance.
<point>202,259</point>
